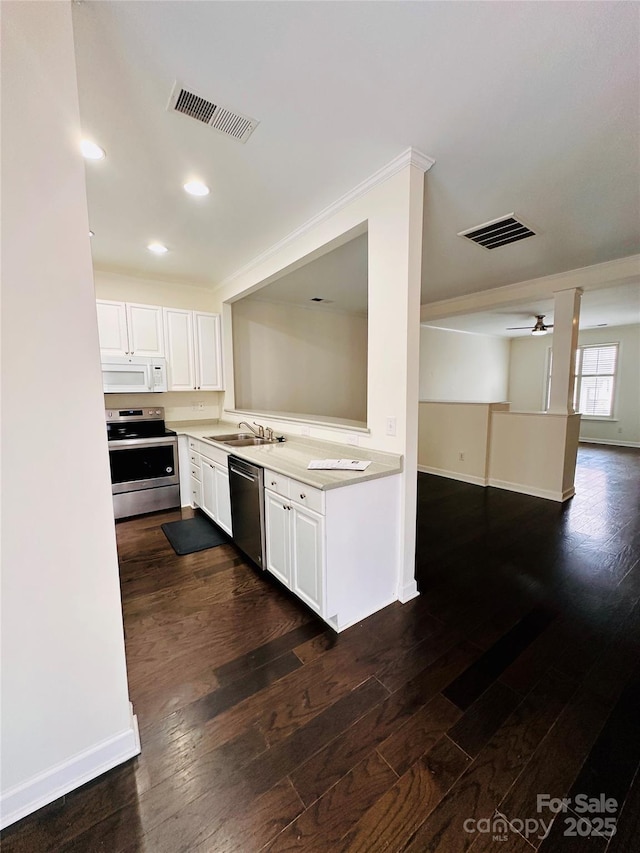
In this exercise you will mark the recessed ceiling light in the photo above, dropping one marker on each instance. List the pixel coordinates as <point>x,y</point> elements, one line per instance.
<point>91,151</point>
<point>196,188</point>
<point>157,248</point>
<point>92,234</point>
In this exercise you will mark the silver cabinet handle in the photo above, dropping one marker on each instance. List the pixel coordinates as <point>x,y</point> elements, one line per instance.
<point>302,497</point>
<point>273,483</point>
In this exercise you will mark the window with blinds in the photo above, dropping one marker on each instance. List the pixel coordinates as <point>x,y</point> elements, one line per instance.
<point>595,380</point>
<point>596,367</point>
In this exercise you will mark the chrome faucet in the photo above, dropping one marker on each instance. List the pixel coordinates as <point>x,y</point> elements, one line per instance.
<point>259,432</point>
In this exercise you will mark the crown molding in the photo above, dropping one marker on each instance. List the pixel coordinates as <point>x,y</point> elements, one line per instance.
<point>596,276</point>
<point>410,157</point>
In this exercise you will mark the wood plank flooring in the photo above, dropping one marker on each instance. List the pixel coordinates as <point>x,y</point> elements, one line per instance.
<point>432,726</point>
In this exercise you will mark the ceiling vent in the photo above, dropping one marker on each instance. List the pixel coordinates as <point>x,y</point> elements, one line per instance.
<point>224,120</point>
<point>498,232</point>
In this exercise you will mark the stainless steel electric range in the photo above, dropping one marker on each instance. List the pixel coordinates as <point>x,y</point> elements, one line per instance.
<point>143,455</point>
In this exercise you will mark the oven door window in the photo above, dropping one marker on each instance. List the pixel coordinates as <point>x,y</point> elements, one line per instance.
<point>141,463</point>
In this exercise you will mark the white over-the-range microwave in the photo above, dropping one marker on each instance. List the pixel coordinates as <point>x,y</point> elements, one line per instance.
<point>133,375</point>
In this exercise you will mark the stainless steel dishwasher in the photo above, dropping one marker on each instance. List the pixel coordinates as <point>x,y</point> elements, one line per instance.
<point>246,484</point>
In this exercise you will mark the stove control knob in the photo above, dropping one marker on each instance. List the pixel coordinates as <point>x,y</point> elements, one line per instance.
<point>158,411</point>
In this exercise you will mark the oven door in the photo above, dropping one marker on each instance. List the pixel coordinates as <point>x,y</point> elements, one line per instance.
<point>143,464</point>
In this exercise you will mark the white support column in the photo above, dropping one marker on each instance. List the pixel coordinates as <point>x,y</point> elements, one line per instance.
<point>566,317</point>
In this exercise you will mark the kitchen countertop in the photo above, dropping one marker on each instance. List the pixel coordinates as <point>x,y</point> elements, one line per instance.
<point>292,456</point>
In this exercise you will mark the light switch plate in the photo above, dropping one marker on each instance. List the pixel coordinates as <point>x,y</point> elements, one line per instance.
<point>391,426</point>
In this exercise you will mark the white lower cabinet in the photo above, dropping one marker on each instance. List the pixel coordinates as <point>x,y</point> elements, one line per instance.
<point>295,547</point>
<point>336,549</point>
<point>210,486</point>
<point>209,501</point>
<point>307,551</point>
<point>278,536</point>
<point>223,498</point>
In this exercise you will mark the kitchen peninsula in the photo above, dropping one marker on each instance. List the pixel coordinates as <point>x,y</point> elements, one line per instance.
<point>331,536</point>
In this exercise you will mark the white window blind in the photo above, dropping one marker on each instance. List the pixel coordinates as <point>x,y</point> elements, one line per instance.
<point>595,380</point>
<point>596,367</point>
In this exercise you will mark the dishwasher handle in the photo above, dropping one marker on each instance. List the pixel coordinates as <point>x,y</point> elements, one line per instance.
<point>242,474</point>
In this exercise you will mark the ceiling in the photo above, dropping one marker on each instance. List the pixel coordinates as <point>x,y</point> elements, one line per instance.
<point>339,278</point>
<point>611,306</point>
<point>526,107</point>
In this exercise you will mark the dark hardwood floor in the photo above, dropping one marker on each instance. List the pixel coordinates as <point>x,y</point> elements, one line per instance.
<point>432,726</point>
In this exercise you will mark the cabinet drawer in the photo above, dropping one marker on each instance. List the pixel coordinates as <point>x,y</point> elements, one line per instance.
<point>195,472</point>
<point>196,492</point>
<point>194,445</point>
<point>306,496</point>
<point>277,483</point>
<point>214,454</point>
<point>194,459</point>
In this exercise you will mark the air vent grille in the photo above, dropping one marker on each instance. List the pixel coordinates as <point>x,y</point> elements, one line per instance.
<point>498,232</point>
<point>224,120</point>
<point>194,106</point>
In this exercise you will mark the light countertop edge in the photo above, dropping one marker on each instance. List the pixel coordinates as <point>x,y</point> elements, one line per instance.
<point>290,458</point>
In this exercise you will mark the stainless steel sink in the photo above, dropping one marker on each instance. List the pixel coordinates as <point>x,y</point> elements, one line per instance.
<point>239,439</point>
<point>232,436</point>
<point>247,442</point>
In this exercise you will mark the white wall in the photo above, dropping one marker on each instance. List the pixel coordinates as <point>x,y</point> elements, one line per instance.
<point>178,405</point>
<point>130,288</point>
<point>449,431</point>
<point>293,359</point>
<point>392,211</point>
<point>459,366</point>
<point>65,706</point>
<point>527,382</point>
<point>533,453</point>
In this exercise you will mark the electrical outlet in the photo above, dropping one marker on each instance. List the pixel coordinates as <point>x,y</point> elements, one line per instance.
<point>619,429</point>
<point>201,406</point>
<point>461,456</point>
<point>352,439</point>
<point>391,426</point>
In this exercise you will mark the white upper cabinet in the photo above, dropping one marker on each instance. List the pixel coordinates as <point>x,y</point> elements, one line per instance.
<point>194,351</point>
<point>146,335</point>
<point>178,326</point>
<point>208,350</point>
<point>112,328</point>
<point>129,329</point>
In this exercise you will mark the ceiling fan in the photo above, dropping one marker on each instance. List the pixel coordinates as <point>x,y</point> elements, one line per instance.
<point>540,328</point>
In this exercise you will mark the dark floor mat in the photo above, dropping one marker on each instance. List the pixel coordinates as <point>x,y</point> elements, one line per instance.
<point>193,534</point>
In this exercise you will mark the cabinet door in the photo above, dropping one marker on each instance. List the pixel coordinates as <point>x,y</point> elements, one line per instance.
<point>208,482</point>
<point>146,337</point>
<point>208,351</point>
<point>307,550</point>
<point>112,328</point>
<point>277,523</point>
<point>178,325</point>
<point>223,500</point>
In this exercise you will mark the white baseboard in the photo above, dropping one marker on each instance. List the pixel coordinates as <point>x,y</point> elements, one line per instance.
<point>408,591</point>
<point>454,475</point>
<point>39,791</point>
<point>548,494</point>
<point>360,618</point>
<point>612,442</point>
